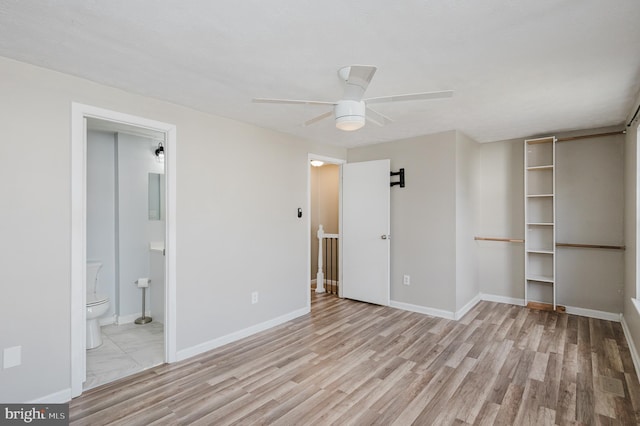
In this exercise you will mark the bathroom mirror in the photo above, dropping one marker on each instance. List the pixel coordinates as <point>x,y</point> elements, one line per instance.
<point>155,196</point>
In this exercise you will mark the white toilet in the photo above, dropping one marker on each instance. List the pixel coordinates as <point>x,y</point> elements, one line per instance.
<point>97,305</point>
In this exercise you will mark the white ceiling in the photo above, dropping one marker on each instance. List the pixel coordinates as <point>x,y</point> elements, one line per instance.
<point>519,68</point>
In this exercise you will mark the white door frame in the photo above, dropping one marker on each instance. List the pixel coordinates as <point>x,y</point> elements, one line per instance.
<point>339,162</point>
<point>79,112</point>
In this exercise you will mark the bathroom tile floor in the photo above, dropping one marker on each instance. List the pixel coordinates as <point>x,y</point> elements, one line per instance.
<point>126,349</point>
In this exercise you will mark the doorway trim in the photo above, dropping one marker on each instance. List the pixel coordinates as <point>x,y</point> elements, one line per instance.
<point>339,162</point>
<point>79,112</point>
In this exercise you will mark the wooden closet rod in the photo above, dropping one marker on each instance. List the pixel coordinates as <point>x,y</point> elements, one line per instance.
<point>504,240</point>
<point>575,138</point>
<point>596,246</point>
<point>519,240</point>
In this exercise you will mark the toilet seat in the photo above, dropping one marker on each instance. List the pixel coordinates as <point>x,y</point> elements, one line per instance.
<point>96,299</point>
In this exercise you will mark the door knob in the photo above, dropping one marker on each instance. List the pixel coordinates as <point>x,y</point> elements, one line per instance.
<point>385,237</point>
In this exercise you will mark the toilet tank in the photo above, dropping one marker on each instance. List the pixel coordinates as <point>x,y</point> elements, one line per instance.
<point>93,269</point>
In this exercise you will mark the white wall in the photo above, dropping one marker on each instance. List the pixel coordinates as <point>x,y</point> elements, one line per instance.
<point>101,238</point>
<point>156,304</point>
<point>136,160</point>
<point>124,210</point>
<point>238,190</point>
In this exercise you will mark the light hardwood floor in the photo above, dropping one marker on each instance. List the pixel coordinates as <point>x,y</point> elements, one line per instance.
<point>356,363</point>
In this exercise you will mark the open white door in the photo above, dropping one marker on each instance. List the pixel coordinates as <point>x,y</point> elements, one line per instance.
<point>365,231</point>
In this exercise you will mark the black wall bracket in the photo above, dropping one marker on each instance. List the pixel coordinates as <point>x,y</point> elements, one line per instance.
<point>401,182</point>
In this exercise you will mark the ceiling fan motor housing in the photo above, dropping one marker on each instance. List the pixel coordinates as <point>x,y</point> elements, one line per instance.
<point>349,114</point>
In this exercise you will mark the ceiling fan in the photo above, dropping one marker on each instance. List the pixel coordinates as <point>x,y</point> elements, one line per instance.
<point>351,111</point>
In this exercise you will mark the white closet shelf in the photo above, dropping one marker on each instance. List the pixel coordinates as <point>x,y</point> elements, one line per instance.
<point>541,278</point>
<point>540,251</point>
<point>539,219</point>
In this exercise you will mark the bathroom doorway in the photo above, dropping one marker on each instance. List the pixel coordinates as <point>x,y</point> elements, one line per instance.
<point>111,154</point>
<point>325,176</point>
<point>125,239</point>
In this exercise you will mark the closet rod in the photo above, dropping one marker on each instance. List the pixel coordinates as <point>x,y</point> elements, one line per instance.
<point>518,240</point>
<point>574,138</point>
<point>504,240</point>
<point>596,246</point>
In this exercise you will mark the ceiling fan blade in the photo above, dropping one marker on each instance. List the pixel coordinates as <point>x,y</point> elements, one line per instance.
<point>318,118</point>
<point>289,101</point>
<point>377,118</point>
<point>357,78</point>
<point>411,97</point>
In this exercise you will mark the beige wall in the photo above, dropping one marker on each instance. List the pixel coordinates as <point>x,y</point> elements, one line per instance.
<point>467,202</point>
<point>325,205</point>
<point>238,190</point>
<point>433,219</point>
<point>423,218</point>
<point>589,210</point>
<point>501,214</point>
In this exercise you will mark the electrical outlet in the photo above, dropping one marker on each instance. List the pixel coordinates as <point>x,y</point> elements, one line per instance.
<point>406,280</point>
<point>254,297</point>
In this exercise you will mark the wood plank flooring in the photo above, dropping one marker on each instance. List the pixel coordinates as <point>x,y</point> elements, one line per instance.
<point>356,363</point>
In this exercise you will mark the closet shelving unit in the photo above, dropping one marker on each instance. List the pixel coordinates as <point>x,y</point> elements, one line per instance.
<point>540,221</point>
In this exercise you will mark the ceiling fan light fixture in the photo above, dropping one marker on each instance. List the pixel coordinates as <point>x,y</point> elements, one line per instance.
<point>350,123</point>
<point>349,111</point>
<point>349,115</point>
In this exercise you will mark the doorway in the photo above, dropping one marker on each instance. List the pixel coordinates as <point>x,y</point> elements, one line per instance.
<point>132,124</point>
<point>125,223</point>
<point>364,230</point>
<point>325,211</point>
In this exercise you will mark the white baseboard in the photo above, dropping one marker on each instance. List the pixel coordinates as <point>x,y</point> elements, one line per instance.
<point>583,312</point>
<point>466,308</point>
<point>632,347</point>
<point>128,319</point>
<point>240,334</point>
<point>592,313</point>
<point>440,313</point>
<point>434,312</point>
<point>59,397</point>
<point>107,320</point>
<point>502,299</point>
